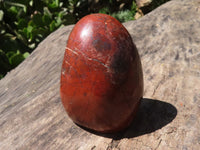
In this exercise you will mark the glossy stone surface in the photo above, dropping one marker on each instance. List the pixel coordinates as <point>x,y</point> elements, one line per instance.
<point>101,77</point>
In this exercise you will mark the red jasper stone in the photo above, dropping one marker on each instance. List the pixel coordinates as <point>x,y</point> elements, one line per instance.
<point>101,77</point>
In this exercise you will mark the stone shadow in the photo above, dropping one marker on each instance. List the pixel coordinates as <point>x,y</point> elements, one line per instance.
<point>151,116</point>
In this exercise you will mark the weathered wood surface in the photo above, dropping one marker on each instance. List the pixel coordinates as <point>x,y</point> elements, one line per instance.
<point>168,40</point>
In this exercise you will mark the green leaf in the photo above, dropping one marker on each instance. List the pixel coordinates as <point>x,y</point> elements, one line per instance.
<point>16,59</point>
<point>29,32</point>
<point>20,36</point>
<point>34,34</point>
<point>123,16</point>
<point>134,7</point>
<point>31,46</point>
<point>9,43</point>
<point>31,3</point>
<point>54,4</point>
<point>4,63</point>
<point>22,23</point>
<point>2,31</point>
<point>52,26</point>
<point>1,15</point>
<point>59,19</point>
<point>46,19</point>
<point>42,32</point>
<point>26,54</point>
<point>31,23</point>
<point>47,12</point>
<point>24,32</point>
<point>37,20</point>
<point>13,10</point>
<point>105,10</point>
<point>15,5</point>
<point>10,54</point>
<point>29,29</point>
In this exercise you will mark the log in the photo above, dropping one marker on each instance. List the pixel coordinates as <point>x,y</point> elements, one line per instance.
<point>168,41</point>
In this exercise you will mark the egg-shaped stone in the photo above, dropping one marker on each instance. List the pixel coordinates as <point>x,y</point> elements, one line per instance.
<point>101,78</point>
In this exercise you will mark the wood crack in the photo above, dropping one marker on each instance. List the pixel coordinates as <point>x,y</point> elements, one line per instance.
<point>158,85</point>
<point>158,144</point>
<point>113,145</point>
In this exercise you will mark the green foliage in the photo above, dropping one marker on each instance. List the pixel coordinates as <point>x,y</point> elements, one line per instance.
<point>126,13</point>
<point>25,23</point>
<point>123,16</point>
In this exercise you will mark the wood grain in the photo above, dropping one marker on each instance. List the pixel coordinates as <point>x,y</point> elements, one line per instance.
<point>32,116</point>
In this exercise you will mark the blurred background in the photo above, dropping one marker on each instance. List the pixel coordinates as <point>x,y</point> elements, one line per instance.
<point>25,23</point>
